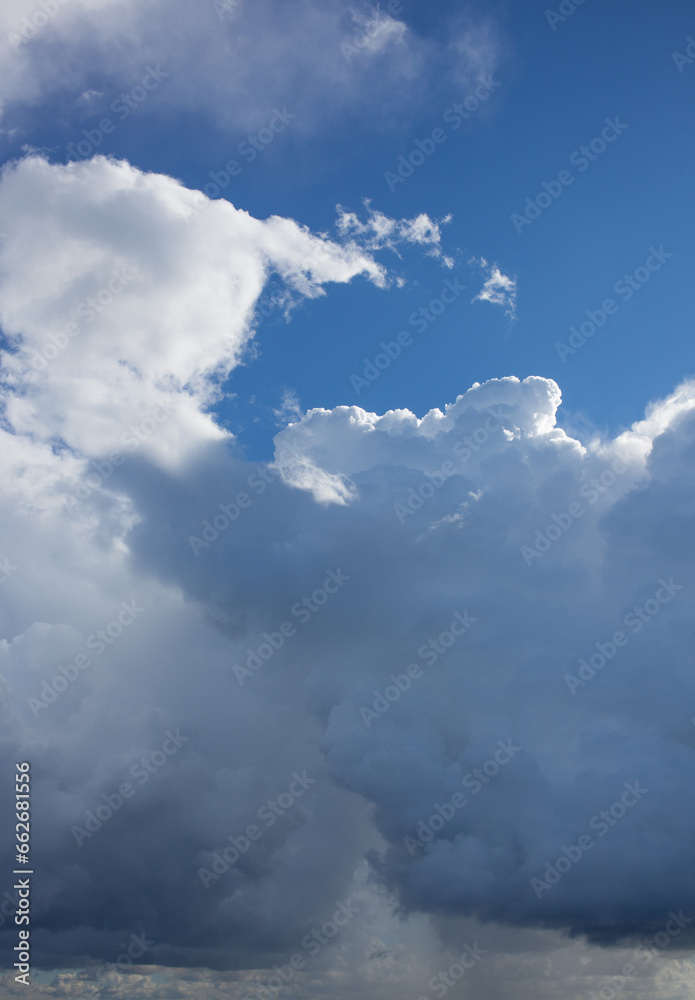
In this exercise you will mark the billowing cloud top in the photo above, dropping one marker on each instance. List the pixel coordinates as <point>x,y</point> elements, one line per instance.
<point>399,614</point>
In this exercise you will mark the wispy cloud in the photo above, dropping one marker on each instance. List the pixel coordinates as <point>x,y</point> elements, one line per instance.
<point>499,289</point>
<point>378,231</point>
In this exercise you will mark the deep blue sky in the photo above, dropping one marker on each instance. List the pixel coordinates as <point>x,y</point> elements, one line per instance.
<point>557,88</point>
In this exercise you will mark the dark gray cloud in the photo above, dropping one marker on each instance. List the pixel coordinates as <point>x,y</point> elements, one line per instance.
<point>404,600</point>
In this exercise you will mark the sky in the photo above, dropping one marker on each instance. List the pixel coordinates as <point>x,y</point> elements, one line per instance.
<point>346,551</point>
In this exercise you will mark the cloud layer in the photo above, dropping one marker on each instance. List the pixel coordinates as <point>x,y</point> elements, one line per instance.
<point>319,58</point>
<point>390,611</point>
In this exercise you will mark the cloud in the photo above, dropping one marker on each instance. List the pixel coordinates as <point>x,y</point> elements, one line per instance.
<point>477,44</point>
<point>499,289</point>
<point>376,30</point>
<point>284,605</point>
<point>256,53</point>
<point>89,97</point>
<point>139,295</point>
<point>487,485</point>
<point>289,407</point>
<point>380,232</point>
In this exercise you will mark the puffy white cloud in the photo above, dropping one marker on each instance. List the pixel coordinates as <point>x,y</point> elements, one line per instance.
<point>485,509</point>
<point>128,297</point>
<point>151,353</point>
<point>533,535</point>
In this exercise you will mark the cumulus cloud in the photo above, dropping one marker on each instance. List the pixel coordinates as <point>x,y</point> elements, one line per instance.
<point>304,618</point>
<point>138,296</point>
<point>528,525</point>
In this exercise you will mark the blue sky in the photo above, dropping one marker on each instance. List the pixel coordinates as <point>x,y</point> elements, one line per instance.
<point>346,473</point>
<point>556,89</point>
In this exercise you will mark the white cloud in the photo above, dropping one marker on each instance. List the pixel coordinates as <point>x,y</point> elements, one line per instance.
<point>124,291</point>
<point>430,516</point>
<point>380,232</point>
<point>288,409</point>
<point>375,31</point>
<point>499,289</point>
<point>89,97</point>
